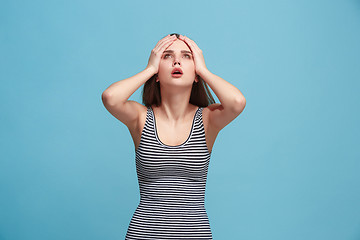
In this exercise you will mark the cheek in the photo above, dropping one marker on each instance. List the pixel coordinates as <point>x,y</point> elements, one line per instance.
<point>190,62</point>
<point>190,66</point>
<point>164,68</point>
<point>162,65</point>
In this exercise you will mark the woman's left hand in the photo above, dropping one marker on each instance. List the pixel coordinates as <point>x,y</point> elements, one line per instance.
<point>199,60</point>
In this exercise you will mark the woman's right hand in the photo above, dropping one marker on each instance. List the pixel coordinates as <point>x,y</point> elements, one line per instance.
<point>156,53</point>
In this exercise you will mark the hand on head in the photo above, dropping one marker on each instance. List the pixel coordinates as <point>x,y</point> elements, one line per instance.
<point>199,60</point>
<point>158,50</point>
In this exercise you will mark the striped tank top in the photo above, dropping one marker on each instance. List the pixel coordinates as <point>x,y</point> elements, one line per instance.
<point>172,182</point>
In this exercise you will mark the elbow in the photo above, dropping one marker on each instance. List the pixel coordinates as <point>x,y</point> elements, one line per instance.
<point>239,105</point>
<point>106,98</point>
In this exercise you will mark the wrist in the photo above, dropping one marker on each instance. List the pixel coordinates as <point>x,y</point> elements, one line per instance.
<point>151,70</point>
<point>203,72</point>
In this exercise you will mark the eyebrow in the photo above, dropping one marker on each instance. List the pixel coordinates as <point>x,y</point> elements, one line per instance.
<point>183,51</point>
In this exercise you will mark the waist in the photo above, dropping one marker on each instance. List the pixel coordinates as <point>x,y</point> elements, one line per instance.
<point>173,190</point>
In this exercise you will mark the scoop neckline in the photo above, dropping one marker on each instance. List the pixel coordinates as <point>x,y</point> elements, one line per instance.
<point>188,138</point>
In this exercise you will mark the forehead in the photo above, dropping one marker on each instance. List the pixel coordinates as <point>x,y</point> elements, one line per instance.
<point>178,45</point>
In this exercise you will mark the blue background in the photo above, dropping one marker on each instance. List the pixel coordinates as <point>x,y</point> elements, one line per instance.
<point>286,168</point>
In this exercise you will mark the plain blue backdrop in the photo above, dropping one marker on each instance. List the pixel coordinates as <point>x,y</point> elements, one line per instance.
<point>286,168</point>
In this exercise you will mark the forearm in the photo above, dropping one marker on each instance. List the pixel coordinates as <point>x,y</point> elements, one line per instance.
<point>120,92</point>
<point>229,96</point>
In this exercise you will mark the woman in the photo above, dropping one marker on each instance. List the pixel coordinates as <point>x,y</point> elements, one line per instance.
<point>172,152</point>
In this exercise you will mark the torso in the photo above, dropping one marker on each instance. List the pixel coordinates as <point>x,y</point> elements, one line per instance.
<point>166,132</point>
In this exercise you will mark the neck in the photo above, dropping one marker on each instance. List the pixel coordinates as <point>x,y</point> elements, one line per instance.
<point>175,106</point>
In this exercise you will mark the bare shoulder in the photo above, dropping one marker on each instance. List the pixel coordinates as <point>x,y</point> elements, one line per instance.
<point>217,117</point>
<point>207,111</point>
<point>210,132</point>
<point>130,113</point>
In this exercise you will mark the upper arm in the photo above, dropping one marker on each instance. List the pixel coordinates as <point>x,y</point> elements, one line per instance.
<point>128,112</point>
<point>219,117</point>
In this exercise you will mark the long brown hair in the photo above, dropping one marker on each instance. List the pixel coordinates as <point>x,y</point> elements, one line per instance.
<point>200,93</point>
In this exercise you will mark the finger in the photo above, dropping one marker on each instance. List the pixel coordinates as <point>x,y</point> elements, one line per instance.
<point>169,40</point>
<point>164,45</point>
<point>185,39</point>
<point>190,41</point>
<point>191,47</point>
<point>194,47</point>
<point>193,44</point>
<point>162,40</point>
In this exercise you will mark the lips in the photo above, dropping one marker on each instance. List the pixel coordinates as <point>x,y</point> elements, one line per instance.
<point>177,71</point>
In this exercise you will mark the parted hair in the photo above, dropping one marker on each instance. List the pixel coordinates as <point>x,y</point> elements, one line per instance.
<point>200,93</point>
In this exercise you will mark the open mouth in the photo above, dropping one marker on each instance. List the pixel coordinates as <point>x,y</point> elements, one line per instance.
<point>176,75</point>
<point>177,72</point>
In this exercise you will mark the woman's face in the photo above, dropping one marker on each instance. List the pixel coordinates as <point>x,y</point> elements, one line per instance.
<point>177,55</point>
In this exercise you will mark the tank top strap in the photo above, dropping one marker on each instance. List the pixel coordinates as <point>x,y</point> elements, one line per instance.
<point>151,126</point>
<point>149,119</point>
<point>198,119</point>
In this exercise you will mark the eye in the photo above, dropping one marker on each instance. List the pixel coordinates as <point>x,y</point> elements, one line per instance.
<point>166,55</point>
<point>187,55</point>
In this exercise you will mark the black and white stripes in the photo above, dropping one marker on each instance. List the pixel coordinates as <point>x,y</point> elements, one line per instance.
<point>172,182</point>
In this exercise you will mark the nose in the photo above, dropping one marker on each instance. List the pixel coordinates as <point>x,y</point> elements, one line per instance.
<point>176,61</point>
